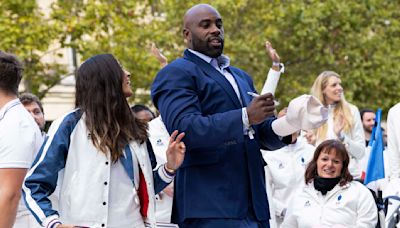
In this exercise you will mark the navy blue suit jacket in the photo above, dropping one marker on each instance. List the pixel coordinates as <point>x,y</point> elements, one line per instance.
<point>222,175</point>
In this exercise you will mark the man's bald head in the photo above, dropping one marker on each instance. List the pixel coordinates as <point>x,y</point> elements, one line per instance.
<point>194,12</point>
<point>203,30</point>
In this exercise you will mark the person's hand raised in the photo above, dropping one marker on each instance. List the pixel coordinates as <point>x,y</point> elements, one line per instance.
<point>159,56</point>
<point>272,52</point>
<point>260,108</point>
<point>311,137</point>
<point>339,124</point>
<point>176,151</point>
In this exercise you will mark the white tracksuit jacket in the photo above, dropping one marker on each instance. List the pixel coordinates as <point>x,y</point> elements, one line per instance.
<point>351,206</point>
<point>159,138</point>
<point>393,134</point>
<point>84,194</point>
<point>286,167</point>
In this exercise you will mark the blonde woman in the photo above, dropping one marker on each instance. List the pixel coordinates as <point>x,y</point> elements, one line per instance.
<point>344,121</point>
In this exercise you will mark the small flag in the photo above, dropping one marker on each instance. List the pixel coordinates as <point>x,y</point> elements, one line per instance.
<point>375,169</point>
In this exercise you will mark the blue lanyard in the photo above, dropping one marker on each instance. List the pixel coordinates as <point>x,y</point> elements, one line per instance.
<point>127,163</point>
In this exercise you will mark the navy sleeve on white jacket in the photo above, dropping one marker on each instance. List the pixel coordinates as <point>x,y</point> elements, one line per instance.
<point>41,179</point>
<point>160,177</point>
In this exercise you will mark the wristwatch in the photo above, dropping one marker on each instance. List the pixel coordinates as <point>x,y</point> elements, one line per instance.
<point>280,65</point>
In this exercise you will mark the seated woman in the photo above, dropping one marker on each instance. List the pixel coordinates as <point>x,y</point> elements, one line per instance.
<point>330,196</point>
<point>104,151</point>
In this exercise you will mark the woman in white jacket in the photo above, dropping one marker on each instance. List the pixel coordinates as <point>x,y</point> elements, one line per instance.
<point>104,151</point>
<point>331,197</point>
<point>344,121</point>
<point>285,168</point>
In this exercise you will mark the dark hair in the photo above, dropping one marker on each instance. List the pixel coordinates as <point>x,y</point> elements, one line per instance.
<point>108,117</point>
<point>10,72</point>
<point>28,98</point>
<point>330,146</point>
<point>139,107</point>
<point>365,110</point>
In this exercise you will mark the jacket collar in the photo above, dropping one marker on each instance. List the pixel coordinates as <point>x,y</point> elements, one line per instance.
<point>215,75</point>
<point>8,106</point>
<point>309,189</point>
<point>223,60</point>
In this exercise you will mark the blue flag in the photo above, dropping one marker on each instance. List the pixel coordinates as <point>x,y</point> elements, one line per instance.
<point>375,169</point>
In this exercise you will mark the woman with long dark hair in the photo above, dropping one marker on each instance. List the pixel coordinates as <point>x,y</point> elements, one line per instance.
<point>107,161</point>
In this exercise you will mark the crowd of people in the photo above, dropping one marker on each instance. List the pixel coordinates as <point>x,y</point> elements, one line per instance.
<point>217,155</point>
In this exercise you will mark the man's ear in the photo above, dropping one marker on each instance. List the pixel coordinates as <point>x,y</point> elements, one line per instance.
<point>186,34</point>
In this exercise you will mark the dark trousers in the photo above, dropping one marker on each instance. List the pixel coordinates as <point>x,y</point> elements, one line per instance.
<point>226,223</point>
<point>248,222</point>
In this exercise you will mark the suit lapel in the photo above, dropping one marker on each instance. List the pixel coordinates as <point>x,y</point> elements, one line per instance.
<point>215,75</point>
<point>243,88</point>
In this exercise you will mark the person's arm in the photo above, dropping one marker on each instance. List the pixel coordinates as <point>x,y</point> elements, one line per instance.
<point>355,140</point>
<point>290,219</point>
<point>310,137</point>
<point>159,56</point>
<point>269,86</point>
<point>41,180</point>
<point>278,207</point>
<point>175,155</point>
<point>356,143</point>
<point>273,54</point>
<point>17,145</point>
<point>268,139</point>
<point>158,138</point>
<point>367,214</point>
<point>10,193</point>
<point>393,139</point>
<point>258,122</point>
<point>274,72</point>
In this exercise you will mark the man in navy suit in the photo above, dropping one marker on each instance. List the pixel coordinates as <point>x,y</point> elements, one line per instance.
<point>221,182</point>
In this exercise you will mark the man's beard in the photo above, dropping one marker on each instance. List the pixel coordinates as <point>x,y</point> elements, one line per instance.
<point>205,48</point>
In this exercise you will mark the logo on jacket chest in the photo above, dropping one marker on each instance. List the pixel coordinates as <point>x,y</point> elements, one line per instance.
<point>339,198</point>
<point>307,203</point>
<point>159,142</point>
<point>303,162</point>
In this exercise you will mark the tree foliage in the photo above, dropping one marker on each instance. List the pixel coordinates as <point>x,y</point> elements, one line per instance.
<point>26,32</point>
<point>123,28</point>
<point>358,39</point>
